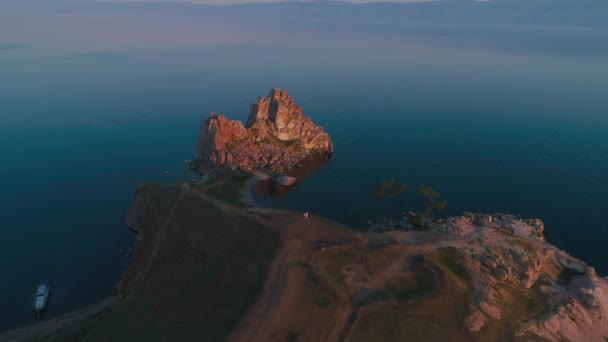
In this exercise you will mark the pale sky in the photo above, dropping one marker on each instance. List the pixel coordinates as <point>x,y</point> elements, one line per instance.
<point>227,2</point>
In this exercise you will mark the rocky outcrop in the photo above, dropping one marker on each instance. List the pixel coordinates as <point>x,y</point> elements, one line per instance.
<point>515,276</point>
<point>571,264</point>
<point>277,137</point>
<point>217,135</point>
<point>511,264</point>
<point>278,116</point>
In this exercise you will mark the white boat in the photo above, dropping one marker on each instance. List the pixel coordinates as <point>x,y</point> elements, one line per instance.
<point>41,299</point>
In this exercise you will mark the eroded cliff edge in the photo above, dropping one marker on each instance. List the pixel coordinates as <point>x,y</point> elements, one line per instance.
<point>276,137</point>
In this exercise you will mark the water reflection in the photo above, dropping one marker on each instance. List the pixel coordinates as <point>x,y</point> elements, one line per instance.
<point>275,190</point>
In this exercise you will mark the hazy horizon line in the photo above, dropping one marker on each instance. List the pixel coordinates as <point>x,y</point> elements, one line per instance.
<point>253,2</point>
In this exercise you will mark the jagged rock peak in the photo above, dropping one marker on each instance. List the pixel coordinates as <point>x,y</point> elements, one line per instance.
<point>276,107</point>
<point>217,132</point>
<point>277,137</point>
<point>279,116</point>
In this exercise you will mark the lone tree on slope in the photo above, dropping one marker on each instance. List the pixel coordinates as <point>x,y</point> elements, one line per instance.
<point>387,190</point>
<point>434,202</point>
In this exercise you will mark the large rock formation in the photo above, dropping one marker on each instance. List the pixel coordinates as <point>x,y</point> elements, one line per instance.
<point>277,137</point>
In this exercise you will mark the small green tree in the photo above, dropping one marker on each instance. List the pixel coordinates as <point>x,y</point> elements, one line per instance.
<point>387,190</point>
<point>434,202</point>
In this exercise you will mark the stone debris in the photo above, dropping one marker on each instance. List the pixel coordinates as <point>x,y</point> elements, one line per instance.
<point>286,180</point>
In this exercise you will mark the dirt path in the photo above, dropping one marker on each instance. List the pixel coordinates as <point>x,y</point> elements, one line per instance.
<point>276,280</point>
<point>298,237</point>
<point>57,324</point>
<point>159,238</point>
<point>271,294</point>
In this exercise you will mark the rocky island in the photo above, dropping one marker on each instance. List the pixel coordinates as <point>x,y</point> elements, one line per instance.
<point>207,268</point>
<point>276,137</point>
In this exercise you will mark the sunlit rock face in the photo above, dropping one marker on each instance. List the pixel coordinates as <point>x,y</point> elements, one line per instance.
<point>279,116</point>
<point>217,133</point>
<point>277,137</point>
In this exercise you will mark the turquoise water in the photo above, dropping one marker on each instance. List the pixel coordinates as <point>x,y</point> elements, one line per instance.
<point>93,106</point>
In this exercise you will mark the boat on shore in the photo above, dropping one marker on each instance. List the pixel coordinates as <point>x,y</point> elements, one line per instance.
<point>41,299</point>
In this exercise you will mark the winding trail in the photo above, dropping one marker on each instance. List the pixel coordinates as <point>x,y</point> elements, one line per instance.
<point>159,237</point>
<point>57,324</point>
<point>272,293</point>
<point>298,238</point>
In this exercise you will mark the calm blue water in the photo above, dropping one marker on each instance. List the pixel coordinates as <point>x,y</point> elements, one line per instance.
<point>93,106</point>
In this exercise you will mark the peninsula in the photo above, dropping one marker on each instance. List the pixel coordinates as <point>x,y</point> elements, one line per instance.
<point>207,267</point>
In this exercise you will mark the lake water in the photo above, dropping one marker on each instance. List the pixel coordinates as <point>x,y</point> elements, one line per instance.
<point>508,119</point>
